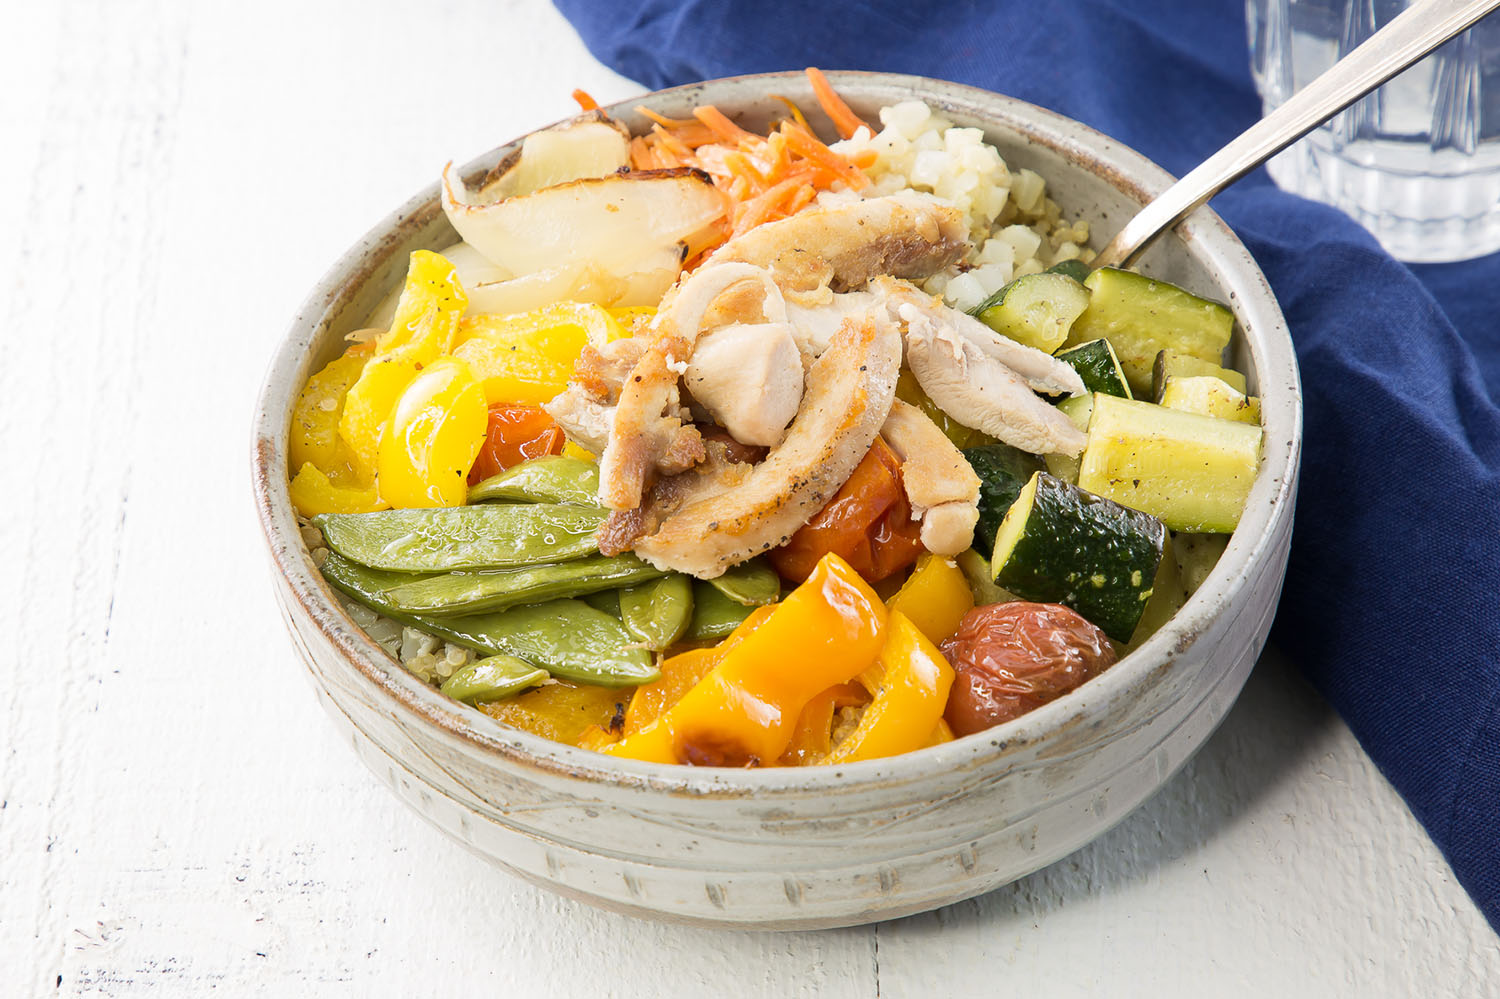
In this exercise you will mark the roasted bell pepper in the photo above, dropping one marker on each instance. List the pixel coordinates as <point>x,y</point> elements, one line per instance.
<point>813,736</point>
<point>743,712</point>
<point>329,476</point>
<point>909,701</point>
<point>427,316</point>
<point>435,431</point>
<point>528,358</point>
<point>936,596</point>
<point>681,673</point>
<point>313,492</point>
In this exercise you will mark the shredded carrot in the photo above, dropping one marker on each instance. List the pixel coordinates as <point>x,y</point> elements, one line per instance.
<point>662,120</point>
<point>721,126</point>
<point>845,120</point>
<point>792,107</point>
<point>585,102</point>
<point>764,177</point>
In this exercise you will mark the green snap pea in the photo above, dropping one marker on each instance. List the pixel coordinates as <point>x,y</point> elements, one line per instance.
<point>752,583</point>
<point>552,479</point>
<point>495,589</point>
<point>492,678</point>
<point>658,613</point>
<point>488,536</point>
<point>714,614</point>
<point>567,638</point>
<point>606,600</point>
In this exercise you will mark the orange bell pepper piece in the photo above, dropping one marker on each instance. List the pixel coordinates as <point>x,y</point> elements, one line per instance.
<point>909,703</point>
<point>745,709</point>
<point>681,673</point>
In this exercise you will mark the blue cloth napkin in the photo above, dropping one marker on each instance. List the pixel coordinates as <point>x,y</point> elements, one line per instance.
<point>1392,598</point>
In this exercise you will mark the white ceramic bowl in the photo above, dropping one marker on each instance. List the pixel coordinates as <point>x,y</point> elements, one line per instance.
<point>822,846</point>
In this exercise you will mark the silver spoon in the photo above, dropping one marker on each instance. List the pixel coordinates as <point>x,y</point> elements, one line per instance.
<point>1414,33</point>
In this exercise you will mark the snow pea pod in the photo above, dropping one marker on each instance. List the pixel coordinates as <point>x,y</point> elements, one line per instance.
<point>552,479</point>
<point>567,638</point>
<point>466,537</point>
<point>752,583</point>
<point>455,593</point>
<point>606,600</point>
<point>492,678</point>
<point>658,612</point>
<point>714,614</point>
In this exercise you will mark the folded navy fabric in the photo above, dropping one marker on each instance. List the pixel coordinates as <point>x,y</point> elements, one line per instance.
<point>1392,598</point>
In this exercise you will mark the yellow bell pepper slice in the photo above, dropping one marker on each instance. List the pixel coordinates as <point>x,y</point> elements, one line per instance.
<point>315,418</point>
<point>314,492</point>
<point>940,735</point>
<point>427,316</point>
<point>368,407</point>
<point>527,358</point>
<point>935,596</point>
<point>909,704</point>
<point>436,430</point>
<point>743,712</point>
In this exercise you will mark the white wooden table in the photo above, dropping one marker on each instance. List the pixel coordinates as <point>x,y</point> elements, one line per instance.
<point>176,816</point>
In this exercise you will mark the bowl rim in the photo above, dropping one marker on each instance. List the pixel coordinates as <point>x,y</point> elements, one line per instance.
<point>1265,338</point>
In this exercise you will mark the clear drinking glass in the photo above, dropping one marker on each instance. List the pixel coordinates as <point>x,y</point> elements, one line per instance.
<point>1417,162</point>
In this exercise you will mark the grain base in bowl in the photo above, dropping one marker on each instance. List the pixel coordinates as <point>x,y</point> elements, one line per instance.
<point>865,841</point>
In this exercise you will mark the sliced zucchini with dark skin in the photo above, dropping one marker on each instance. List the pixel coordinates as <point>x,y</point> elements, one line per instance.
<point>1035,309</point>
<point>1194,472</point>
<point>1077,408</point>
<point>1141,317</point>
<point>1060,544</point>
<point>1171,364</point>
<point>1098,366</point>
<point>1003,471</point>
<point>1075,269</point>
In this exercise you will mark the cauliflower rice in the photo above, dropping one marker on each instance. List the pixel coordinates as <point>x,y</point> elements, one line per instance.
<point>1016,229</point>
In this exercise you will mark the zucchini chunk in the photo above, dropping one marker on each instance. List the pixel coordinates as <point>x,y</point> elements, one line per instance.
<point>1171,364</point>
<point>1075,269</point>
<point>1060,544</point>
<point>1208,396</point>
<point>1194,472</point>
<point>1167,595</point>
<point>1197,554</point>
<point>1003,471</point>
<point>1035,309</point>
<point>1141,317</point>
<point>1098,366</point>
<point>1077,408</point>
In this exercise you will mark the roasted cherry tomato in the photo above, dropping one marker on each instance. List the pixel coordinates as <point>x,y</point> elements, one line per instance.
<point>868,523</point>
<point>1012,657</point>
<point>516,433</point>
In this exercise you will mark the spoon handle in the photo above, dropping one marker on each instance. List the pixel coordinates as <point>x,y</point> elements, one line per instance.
<point>1411,35</point>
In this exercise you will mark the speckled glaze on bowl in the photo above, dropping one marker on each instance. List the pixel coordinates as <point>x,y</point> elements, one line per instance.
<point>815,847</point>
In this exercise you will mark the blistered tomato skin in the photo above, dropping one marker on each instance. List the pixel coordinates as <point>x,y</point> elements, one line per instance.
<point>1013,657</point>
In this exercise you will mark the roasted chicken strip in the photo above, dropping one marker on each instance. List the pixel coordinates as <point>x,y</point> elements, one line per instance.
<point>907,235</point>
<point>847,399</point>
<point>939,482</point>
<point>980,392</point>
